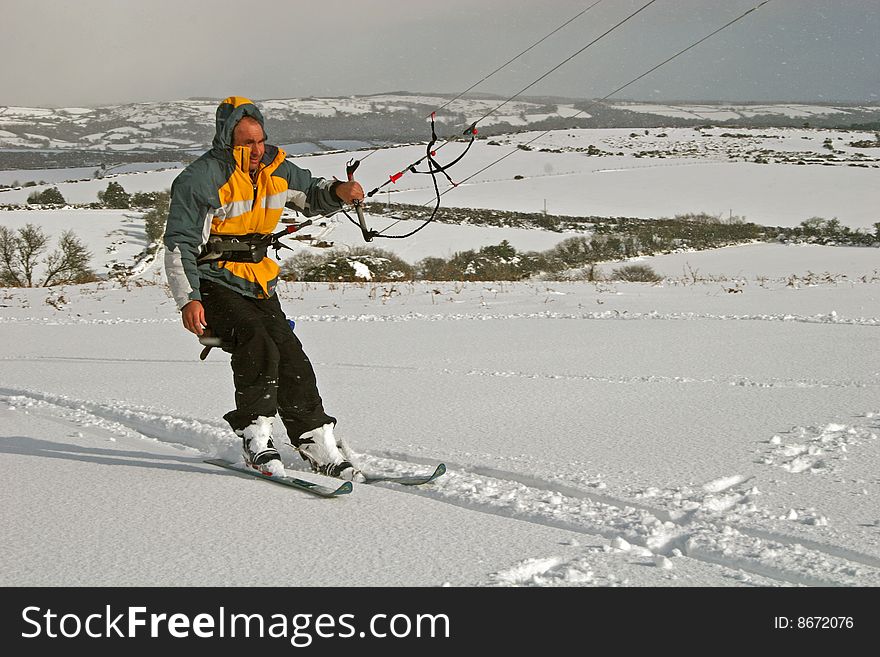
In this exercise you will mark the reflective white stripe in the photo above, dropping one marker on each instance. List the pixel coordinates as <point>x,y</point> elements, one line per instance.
<point>175,271</point>
<point>238,208</point>
<point>275,201</point>
<point>206,227</point>
<point>298,198</point>
<point>177,280</point>
<point>234,209</point>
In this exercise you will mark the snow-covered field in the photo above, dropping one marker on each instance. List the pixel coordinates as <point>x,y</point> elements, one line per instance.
<point>597,434</point>
<point>722,112</point>
<point>719,429</point>
<point>635,173</point>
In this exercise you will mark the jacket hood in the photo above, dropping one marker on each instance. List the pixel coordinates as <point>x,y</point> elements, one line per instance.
<point>229,113</point>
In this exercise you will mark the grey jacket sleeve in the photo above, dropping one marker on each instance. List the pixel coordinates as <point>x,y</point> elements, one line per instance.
<point>311,196</point>
<point>186,232</point>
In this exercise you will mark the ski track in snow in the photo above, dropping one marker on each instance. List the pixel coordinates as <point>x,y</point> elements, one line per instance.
<point>718,523</point>
<point>732,381</point>
<point>738,381</point>
<point>820,318</point>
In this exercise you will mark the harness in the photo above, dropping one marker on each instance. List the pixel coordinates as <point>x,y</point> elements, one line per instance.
<point>235,248</point>
<point>252,247</point>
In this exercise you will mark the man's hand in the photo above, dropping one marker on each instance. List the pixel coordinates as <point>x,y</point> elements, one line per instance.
<point>350,191</point>
<point>193,315</point>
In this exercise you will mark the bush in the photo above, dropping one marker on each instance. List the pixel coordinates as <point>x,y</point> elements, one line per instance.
<point>636,274</point>
<point>154,220</point>
<point>115,197</point>
<point>434,269</point>
<point>818,230</point>
<point>573,252</point>
<point>50,196</point>
<point>365,264</point>
<point>500,262</point>
<point>144,199</point>
<point>296,266</point>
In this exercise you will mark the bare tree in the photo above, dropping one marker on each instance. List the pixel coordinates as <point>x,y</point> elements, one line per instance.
<point>9,271</point>
<point>20,252</point>
<point>32,244</point>
<point>69,263</point>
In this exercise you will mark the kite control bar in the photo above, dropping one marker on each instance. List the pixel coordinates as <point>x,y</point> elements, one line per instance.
<point>358,205</point>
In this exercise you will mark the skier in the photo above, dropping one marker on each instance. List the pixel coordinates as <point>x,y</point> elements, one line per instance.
<point>233,195</point>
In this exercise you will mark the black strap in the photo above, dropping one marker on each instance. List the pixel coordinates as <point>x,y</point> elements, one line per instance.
<point>236,248</point>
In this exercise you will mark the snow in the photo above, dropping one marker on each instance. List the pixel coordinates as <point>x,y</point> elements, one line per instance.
<point>113,236</point>
<point>699,171</point>
<point>48,175</point>
<point>361,270</point>
<point>727,440</point>
<point>714,174</point>
<point>87,191</point>
<point>803,262</point>
<point>724,113</point>
<point>596,434</point>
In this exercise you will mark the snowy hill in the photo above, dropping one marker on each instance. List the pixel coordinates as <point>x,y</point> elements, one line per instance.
<point>189,124</point>
<point>316,124</point>
<point>769,176</point>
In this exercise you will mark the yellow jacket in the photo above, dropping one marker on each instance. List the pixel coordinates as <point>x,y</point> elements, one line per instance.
<point>216,195</point>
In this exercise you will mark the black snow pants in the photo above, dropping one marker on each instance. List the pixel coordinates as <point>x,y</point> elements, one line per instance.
<point>270,370</point>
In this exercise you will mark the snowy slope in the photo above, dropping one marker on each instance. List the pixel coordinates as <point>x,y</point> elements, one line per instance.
<point>719,429</point>
<point>596,435</point>
<point>644,173</point>
<point>188,124</point>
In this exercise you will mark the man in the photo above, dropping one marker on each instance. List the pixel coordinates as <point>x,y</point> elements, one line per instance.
<point>223,206</point>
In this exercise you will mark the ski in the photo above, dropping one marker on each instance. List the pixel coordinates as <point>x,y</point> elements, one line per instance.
<point>291,482</point>
<point>407,479</point>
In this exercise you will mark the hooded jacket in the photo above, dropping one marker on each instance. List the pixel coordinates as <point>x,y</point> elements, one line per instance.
<point>215,195</point>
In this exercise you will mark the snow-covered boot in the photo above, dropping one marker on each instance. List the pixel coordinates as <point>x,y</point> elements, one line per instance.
<point>320,448</point>
<point>259,451</point>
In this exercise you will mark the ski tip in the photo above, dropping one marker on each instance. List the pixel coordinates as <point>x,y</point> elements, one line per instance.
<point>407,479</point>
<point>344,489</point>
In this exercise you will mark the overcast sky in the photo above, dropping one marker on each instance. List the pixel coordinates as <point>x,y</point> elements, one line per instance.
<point>94,52</point>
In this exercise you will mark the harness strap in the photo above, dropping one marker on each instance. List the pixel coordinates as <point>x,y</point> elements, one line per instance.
<point>236,248</point>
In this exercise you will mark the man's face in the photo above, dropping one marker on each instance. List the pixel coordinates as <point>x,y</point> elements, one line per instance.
<point>249,133</point>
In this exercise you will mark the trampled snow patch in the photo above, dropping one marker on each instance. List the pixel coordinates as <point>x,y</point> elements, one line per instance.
<point>528,572</point>
<point>722,483</point>
<point>820,449</point>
